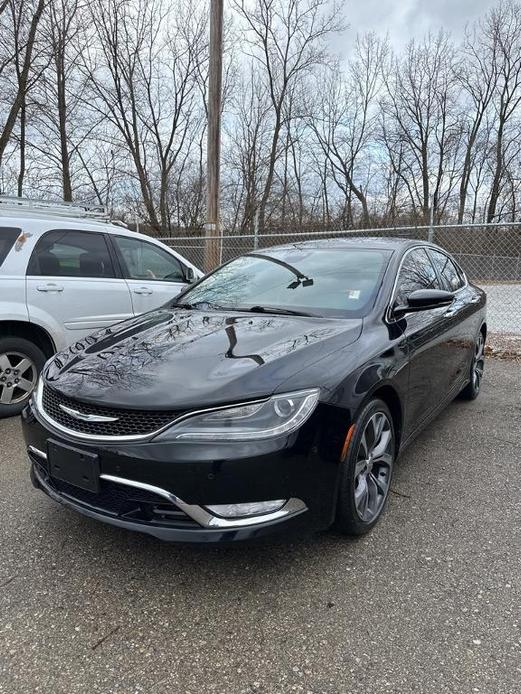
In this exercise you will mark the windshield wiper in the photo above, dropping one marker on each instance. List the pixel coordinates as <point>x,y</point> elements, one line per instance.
<point>200,304</point>
<point>276,310</point>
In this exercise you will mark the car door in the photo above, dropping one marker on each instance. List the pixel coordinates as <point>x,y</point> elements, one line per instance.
<point>154,276</point>
<point>462,317</point>
<point>72,285</point>
<point>427,334</point>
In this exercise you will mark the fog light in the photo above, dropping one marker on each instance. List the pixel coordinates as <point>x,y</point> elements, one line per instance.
<point>257,508</point>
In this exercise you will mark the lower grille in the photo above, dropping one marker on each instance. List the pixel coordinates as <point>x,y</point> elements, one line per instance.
<point>120,501</point>
<point>127,422</point>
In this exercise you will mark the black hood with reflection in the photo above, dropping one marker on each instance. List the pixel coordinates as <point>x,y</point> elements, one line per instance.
<point>177,359</point>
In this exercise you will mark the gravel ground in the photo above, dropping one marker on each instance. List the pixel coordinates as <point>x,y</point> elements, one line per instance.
<point>429,602</point>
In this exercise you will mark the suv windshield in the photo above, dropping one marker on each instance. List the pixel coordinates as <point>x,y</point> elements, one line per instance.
<point>330,282</point>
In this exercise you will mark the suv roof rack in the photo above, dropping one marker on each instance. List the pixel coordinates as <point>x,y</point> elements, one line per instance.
<point>54,209</point>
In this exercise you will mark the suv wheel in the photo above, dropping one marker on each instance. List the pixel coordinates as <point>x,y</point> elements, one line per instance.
<point>367,471</point>
<point>20,363</point>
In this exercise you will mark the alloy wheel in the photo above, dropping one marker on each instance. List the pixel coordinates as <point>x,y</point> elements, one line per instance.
<point>18,375</point>
<point>373,468</point>
<point>478,364</point>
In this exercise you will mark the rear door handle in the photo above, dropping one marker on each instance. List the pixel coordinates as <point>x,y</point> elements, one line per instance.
<point>451,312</point>
<point>142,290</point>
<point>49,288</point>
<point>475,300</point>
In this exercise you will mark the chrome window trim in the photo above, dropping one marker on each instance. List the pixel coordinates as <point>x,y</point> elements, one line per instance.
<point>426,246</point>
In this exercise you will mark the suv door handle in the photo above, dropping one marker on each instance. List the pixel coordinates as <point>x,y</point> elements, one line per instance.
<point>451,312</point>
<point>49,287</point>
<point>142,290</point>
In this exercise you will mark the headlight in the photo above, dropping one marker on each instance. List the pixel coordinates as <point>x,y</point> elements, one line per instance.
<point>281,414</point>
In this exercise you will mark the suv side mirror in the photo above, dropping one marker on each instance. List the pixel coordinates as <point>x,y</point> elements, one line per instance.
<point>189,275</point>
<point>424,300</point>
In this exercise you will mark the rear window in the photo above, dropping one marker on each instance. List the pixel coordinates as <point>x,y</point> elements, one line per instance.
<point>71,253</point>
<point>8,236</point>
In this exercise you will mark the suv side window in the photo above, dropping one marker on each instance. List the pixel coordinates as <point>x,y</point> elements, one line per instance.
<point>144,261</point>
<point>451,277</point>
<point>417,272</point>
<point>8,236</point>
<point>71,253</point>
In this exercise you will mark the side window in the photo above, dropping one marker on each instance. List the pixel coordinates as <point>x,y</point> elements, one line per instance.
<point>451,277</point>
<point>416,272</point>
<point>144,261</point>
<point>8,236</point>
<point>71,253</point>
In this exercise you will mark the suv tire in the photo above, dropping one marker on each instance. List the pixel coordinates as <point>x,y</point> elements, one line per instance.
<point>16,384</point>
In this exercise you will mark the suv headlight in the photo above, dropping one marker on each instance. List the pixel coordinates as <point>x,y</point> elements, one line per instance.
<point>281,414</point>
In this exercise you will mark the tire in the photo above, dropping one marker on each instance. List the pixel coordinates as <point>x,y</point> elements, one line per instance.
<point>16,384</point>
<point>477,365</point>
<point>359,511</point>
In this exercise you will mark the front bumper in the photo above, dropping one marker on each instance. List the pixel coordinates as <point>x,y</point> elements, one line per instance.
<point>164,489</point>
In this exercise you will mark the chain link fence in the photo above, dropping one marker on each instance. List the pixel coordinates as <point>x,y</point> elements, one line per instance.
<point>490,254</point>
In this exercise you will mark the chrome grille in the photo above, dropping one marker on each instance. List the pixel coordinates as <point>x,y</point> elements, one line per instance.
<point>128,422</point>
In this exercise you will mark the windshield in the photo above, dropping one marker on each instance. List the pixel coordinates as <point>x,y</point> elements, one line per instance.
<point>329,282</point>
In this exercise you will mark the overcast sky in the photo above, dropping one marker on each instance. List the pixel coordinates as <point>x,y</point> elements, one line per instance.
<point>405,19</point>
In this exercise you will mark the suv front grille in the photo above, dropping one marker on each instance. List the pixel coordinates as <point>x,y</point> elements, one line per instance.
<point>128,422</point>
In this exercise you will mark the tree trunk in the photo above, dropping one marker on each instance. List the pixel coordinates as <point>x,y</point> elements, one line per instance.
<point>21,172</point>
<point>498,172</point>
<point>22,83</point>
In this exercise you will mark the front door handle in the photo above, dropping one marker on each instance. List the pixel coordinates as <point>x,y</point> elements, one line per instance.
<point>142,290</point>
<point>49,287</point>
<point>451,312</point>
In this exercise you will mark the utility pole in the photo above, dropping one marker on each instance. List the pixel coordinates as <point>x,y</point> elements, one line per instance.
<point>212,249</point>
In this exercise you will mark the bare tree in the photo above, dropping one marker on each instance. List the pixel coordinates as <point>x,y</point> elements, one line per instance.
<point>501,31</point>
<point>145,80</point>
<point>421,99</point>
<point>25,17</point>
<point>343,118</point>
<point>287,39</point>
<point>477,73</point>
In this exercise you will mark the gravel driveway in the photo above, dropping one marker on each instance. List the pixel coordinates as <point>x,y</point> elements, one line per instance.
<point>430,602</point>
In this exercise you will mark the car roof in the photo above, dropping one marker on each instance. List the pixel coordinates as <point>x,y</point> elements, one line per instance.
<point>390,243</point>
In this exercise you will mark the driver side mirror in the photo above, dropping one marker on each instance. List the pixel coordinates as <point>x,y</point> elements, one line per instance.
<point>424,300</point>
<point>189,275</point>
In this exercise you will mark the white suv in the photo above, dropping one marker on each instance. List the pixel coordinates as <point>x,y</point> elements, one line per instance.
<point>66,271</point>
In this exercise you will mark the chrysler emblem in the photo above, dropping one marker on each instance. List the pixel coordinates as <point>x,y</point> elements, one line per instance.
<point>87,417</point>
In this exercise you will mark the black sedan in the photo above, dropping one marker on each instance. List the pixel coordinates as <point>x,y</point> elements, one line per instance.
<point>273,395</point>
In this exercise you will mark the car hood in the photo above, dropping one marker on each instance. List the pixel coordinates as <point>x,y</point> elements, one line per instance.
<point>177,359</point>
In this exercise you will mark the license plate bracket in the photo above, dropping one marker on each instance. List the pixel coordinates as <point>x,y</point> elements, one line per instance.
<point>74,466</point>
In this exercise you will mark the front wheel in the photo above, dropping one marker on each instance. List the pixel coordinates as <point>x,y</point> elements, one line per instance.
<point>477,366</point>
<point>20,363</point>
<point>367,470</point>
